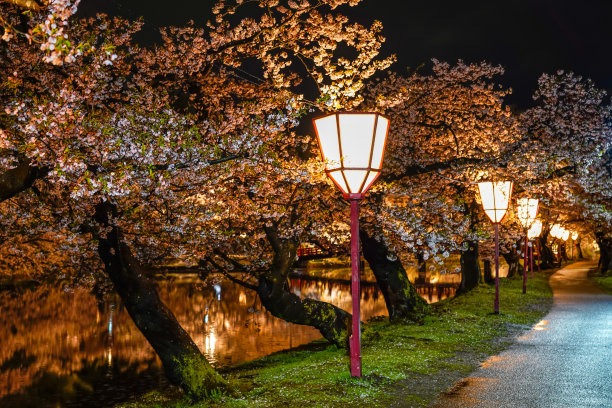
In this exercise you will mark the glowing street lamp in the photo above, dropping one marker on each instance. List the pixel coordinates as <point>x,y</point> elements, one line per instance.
<point>527,210</point>
<point>495,196</point>
<point>532,234</point>
<point>352,147</point>
<point>565,234</point>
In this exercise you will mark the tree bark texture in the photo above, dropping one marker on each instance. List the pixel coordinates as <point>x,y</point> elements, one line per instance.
<point>579,254</point>
<point>512,259</point>
<point>605,253</point>
<point>470,262</point>
<point>273,291</point>
<point>183,362</point>
<point>547,257</point>
<point>401,297</point>
<point>470,267</point>
<point>18,179</point>
<point>487,272</point>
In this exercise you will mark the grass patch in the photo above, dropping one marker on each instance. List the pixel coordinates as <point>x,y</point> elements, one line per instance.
<point>403,364</point>
<point>604,282</point>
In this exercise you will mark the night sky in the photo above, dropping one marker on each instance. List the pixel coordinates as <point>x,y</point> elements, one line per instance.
<point>527,37</point>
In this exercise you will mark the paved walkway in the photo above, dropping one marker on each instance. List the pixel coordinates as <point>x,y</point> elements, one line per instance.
<point>565,361</point>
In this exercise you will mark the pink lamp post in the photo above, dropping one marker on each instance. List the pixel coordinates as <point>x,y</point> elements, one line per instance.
<point>527,210</point>
<point>495,196</point>
<point>352,146</point>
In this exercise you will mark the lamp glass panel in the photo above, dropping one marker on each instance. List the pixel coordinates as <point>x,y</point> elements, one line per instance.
<point>327,130</point>
<point>565,235</point>
<point>555,231</point>
<point>486,195</point>
<point>502,189</point>
<point>535,230</point>
<point>355,179</point>
<point>371,178</point>
<point>527,210</point>
<point>495,197</point>
<point>356,132</point>
<point>379,142</point>
<point>336,176</point>
<point>574,235</point>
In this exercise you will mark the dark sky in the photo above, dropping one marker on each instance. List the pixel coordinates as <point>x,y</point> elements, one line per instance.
<point>527,37</point>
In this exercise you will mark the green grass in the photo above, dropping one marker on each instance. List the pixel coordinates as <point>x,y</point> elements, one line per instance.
<point>604,282</point>
<point>413,363</point>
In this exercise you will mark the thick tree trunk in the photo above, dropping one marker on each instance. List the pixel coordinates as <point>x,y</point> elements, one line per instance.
<point>19,178</point>
<point>275,296</point>
<point>421,269</point>
<point>512,259</point>
<point>183,362</point>
<point>579,254</point>
<point>470,267</point>
<point>470,262</point>
<point>401,297</point>
<point>605,253</point>
<point>487,272</point>
<point>547,257</point>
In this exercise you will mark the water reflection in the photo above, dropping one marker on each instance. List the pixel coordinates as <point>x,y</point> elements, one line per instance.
<point>67,349</point>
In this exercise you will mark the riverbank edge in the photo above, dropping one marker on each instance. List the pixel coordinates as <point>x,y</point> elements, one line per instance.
<point>405,365</point>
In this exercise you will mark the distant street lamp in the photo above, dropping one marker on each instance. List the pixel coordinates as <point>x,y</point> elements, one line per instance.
<point>532,234</point>
<point>495,196</point>
<point>352,146</point>
<point>527,210</point>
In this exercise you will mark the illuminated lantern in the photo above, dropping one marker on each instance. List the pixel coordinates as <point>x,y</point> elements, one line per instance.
<point>527,210</point>
<point>353,146</point>
<point>495,196</point>
<point>535,230</point>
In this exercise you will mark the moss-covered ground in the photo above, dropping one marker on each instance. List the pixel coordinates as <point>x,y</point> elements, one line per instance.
<point>604,282</point>
<point>404,364</point>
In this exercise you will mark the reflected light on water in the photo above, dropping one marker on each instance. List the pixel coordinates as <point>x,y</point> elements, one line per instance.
<point>51,338</point>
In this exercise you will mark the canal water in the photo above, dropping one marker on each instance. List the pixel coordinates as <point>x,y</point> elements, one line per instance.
<point>65,348</point>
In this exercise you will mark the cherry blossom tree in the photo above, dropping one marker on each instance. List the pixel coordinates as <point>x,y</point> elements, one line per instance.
<point>124,142</point>
<point>448,129</point>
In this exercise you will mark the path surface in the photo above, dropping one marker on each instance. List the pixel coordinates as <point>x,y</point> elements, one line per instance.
<point>565,361</point>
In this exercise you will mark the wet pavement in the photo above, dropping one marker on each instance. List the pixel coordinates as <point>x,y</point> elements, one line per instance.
<point>565,361</point>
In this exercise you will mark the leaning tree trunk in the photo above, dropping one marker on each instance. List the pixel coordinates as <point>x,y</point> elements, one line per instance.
<point>579,254</point>
<point>547,257</point>
<point>275,296</point>
<point>183,362</point>
<point>605,253</point>
<point>470,267</point>
<point>487,275</point>
<point>401,297</point>
<point>470,263</point>
<point>512,259</point>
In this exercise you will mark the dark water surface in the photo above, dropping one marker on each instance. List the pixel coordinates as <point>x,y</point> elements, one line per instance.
<point>65,348</point>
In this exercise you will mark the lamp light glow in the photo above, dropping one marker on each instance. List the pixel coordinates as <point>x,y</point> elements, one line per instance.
<point>495,196</point>
<point>574,235</point>
<point>352,146</point>
<point>555,231</point>
<point>565,235</point>
<point>535,230</point>
<point>527,210</point>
